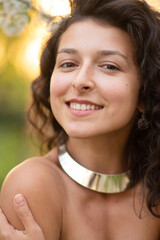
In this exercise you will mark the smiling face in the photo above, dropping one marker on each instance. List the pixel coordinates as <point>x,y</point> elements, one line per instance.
<point>95,83</point>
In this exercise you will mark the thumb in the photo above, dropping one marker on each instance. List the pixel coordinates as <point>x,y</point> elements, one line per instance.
<point>23,212</point>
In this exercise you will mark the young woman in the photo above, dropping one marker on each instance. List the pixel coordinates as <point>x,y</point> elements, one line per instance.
<point>97,101</point>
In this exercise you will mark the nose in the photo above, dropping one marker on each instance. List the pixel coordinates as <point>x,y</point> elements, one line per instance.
<point>84,79</point>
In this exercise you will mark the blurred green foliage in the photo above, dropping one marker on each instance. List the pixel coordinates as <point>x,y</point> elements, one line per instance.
<point>15,144</point>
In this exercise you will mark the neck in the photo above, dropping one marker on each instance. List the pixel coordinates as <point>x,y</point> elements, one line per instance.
<point>102,154</point>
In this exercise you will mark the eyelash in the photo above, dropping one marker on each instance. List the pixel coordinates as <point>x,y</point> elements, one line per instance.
<point>68,63</point>
<point>110,67</point>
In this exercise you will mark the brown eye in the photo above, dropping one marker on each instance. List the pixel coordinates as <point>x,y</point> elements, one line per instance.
<point>68,65</point>
<point>110,67</point>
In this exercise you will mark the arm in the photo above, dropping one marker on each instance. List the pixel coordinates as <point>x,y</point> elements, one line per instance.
<point>32,230</point>
<point>39,184</point>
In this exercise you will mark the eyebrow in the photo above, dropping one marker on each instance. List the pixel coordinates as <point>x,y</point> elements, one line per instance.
<point>112,52</point>
<point>100,53</point>
<point>68,50</point>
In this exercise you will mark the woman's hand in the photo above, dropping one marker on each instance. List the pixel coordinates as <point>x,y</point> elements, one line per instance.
<point>32,229</point>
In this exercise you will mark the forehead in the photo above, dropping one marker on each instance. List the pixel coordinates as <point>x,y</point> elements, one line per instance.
<point>89,35</point>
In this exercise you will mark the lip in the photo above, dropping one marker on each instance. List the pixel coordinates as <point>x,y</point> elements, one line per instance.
<point>81,112</point>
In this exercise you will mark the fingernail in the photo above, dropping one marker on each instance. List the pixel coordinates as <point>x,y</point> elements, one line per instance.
<point>19,200</point>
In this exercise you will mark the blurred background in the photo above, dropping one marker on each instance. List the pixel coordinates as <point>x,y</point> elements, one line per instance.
<point>19,65</point>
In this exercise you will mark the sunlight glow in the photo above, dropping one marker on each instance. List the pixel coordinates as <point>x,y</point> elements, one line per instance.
<point>154,3</point>
<point>54,7</point>
<point>28,58</point>
<point>25,52</point>
<point>3,48</point>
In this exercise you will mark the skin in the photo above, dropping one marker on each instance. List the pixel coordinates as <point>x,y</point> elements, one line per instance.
<point>62,208</point>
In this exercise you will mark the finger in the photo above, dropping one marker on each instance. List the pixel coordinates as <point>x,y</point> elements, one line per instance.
<point>3,221</point>
<point>23,212</point>
<point>5,228</point>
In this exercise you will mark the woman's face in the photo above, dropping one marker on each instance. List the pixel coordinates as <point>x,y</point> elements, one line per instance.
<point>95,83</point>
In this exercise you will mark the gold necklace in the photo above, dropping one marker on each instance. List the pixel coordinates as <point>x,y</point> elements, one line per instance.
<point>103,183</point>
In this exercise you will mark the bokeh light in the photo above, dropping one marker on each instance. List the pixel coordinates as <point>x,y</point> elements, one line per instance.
<point>27,49</point>
<point>54,7</point>
<point>3,48</point>
<point>154,3</point>
<point>24,53</point>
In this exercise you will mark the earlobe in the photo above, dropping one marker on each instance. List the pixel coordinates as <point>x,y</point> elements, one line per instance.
<point>140,108</point>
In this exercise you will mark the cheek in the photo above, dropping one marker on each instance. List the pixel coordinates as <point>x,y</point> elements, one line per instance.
<point>58,86</point>
<point>122,92</point>
<point>122,97</point>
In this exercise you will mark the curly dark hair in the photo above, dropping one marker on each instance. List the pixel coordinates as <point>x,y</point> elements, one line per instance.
<point>142,23</point>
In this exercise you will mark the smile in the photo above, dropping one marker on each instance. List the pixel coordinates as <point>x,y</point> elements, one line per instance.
<point>83,106</point>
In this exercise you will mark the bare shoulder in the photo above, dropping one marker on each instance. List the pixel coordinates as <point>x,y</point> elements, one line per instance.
<point>39,180</point>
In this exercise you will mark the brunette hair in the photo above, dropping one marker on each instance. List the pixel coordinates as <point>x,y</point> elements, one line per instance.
<point>142,23</point>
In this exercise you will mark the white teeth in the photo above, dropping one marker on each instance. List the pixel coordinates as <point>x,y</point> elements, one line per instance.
<point>72,105</point>
<point>93,107</point>
<point>77,106</point>
<point>83,107</point>
<point>88,107</point>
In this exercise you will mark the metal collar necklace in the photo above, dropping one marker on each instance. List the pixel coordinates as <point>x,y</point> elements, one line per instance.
<point>103,183</point>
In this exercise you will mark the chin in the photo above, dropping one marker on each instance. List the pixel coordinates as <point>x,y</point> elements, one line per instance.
<point>78,133</point>
<point>83,133</point>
